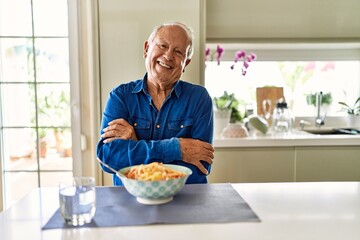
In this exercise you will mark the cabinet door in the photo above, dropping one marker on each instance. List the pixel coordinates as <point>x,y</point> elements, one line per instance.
<point>253,165</point>
<point>327,163</point>
<point>279,19</point>
<point>124,26</point>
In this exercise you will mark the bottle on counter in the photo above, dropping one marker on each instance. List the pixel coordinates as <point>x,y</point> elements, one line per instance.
<point>282,118</point>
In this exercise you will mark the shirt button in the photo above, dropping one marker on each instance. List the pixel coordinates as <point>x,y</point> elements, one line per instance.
<point>158,126</point>
<point>181,126</point>
<point>135,124</point>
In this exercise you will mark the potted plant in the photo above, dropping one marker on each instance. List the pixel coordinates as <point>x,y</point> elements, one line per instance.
<point>43,143</point>
<point>325,99</point>
<point>228,102</point>
<point>325,102</point>
<point>353,113</point>
<point>225,112</point>
<point>226,107</point>
<point>54,111</point>
<point>354,110</point>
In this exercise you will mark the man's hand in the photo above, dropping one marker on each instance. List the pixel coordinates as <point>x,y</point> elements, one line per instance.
<point>193,151</point>
<point>118,129</point>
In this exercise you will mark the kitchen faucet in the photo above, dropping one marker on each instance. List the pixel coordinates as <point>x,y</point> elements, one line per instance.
<point>319,120</point>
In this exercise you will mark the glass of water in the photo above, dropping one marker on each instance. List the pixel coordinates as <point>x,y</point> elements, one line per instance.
<point>77,200</point>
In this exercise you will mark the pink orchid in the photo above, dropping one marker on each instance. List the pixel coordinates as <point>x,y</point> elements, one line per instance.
<point>327,66</point>
<point>310,67</point>
<point>246,64</point>
<point>243,72</point>
<point>220,52</point>
<point>207,54</point>
<point>239,56</point>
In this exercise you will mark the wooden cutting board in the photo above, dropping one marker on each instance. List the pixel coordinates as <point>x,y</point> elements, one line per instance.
<point>273,94</point>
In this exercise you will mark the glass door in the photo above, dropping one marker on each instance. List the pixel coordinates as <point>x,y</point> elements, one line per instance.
<point>35,126</point>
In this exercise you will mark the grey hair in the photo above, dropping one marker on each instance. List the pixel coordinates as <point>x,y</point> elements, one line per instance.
<point>188,30</point>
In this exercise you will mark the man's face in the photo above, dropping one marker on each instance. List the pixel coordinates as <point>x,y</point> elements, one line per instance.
<point>166,55</point>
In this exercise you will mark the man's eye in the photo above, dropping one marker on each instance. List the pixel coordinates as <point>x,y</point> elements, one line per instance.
<point>161,46</point>
<point>179,53</point>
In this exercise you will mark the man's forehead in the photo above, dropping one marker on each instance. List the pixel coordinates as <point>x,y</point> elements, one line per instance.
<point>167,35</point>
<point>170,30</point>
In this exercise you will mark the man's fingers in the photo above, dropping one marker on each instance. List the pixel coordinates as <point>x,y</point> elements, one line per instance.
<point>210,154</point>
<point>202,168</point>
<point>107,140</point>
<point>119,121</point>
<point>109,134</point>
<point>209,147</point>
<point>209,160</point>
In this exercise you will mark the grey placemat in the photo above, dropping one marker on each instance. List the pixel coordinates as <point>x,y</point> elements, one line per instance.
<point>195,203</point>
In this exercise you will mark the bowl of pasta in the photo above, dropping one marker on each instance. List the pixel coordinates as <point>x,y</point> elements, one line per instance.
<point>154,183</point>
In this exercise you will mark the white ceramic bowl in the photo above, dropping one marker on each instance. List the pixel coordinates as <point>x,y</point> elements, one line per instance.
<point>155,192</point>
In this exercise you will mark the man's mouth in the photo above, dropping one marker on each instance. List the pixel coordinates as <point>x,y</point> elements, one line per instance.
<point>164,65</point>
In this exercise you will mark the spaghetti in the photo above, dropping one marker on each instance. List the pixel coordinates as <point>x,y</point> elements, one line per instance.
<point>153,172</point>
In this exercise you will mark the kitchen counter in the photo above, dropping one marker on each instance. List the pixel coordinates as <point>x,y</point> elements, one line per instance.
<point>297,138</point>
<point>315,210</point>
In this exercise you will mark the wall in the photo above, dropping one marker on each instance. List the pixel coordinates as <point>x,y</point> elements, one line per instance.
<point>124,26</point>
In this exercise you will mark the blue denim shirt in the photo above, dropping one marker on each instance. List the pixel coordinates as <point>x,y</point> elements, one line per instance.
<point>186,113</point>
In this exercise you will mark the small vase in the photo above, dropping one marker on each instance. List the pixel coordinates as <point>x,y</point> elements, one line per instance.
<point>221,120</point>
<point>235,130</point>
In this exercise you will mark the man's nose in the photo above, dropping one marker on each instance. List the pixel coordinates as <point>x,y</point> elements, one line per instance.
<point>169,54</point>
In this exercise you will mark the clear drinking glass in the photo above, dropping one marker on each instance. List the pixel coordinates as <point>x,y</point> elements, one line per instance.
<point>78,200</point>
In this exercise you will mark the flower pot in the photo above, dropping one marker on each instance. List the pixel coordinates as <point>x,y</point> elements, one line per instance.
<point>353,121</point>
<point>221,120</point>
<point>43,148</point>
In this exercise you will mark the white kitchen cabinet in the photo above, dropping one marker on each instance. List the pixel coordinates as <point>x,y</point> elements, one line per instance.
<point>286,164</point>
<point>304,20</point>
<point>328,163</point>
<point>253,165</point>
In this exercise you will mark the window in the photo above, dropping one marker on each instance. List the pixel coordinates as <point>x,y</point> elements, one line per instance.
<point>302,70</point>
<point>35,126</point>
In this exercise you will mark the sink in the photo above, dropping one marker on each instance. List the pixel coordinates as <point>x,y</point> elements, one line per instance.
<point>331,130</point>
<point>322,130</point>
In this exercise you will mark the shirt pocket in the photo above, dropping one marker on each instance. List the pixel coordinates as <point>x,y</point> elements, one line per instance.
<point>141,126</point>
<point>180,128</point>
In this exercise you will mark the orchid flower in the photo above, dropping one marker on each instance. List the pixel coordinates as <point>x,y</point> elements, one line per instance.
<point>207,54</point>
<point>239,56</point>
<point>220,52</point>
<point>328,66</point>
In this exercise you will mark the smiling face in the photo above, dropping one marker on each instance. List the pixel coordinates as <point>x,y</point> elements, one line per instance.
<point>166,55</point>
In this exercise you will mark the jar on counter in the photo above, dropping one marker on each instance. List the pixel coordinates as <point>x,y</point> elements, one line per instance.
<point>282,118</point>
<point>235,130</point>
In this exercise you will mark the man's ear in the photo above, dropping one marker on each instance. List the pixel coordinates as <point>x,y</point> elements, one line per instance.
<point>146,48</point>
<point>186,63</point>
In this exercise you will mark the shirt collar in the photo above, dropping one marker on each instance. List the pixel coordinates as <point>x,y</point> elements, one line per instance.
<point>141,86</point>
